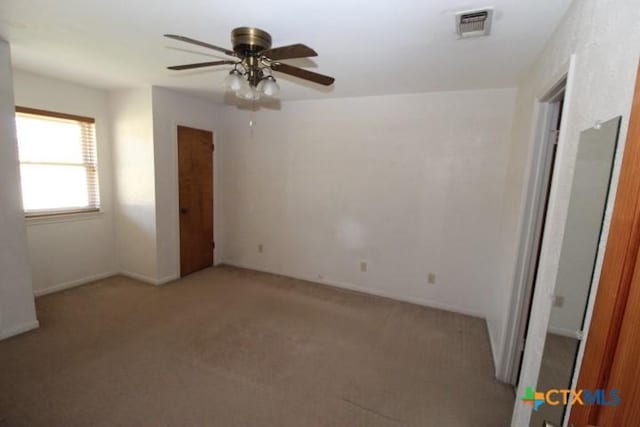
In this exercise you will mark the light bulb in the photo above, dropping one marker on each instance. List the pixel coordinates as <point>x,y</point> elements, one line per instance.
<point>269,87</point>
<point>233,81</point>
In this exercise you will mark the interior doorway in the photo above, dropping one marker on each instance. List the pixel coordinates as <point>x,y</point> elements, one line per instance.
<point>195,187</point>
<point>551,109</point>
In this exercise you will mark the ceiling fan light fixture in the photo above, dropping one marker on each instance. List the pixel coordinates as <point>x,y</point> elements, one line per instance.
<point>248,93</point>
<point>254,61</point>
<point>268,86</point>
<point>234,80</point>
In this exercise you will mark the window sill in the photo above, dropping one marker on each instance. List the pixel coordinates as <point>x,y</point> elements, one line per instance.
<point>68,217</point>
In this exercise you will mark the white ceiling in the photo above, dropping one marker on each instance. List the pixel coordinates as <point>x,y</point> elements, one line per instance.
<point>371,47</point>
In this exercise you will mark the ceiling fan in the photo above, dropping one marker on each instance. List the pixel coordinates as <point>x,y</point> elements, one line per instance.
<point>255,61</point>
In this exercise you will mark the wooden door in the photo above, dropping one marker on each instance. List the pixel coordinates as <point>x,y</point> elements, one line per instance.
<point>195,177</point>
<point>612,353</point>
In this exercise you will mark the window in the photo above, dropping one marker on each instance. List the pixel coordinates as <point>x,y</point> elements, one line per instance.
<point>58,163</point>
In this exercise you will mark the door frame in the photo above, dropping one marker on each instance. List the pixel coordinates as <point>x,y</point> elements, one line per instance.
<point>543,174</point>
<point>176,190</point>
<point>551,241</point>
<point>530,233</point>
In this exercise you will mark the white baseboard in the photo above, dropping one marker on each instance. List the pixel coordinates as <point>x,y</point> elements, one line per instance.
<point>565,332</point>
<point>380,293</point>
<point>72,284</point>
<point>20,329</point>
<point>89,279</point>
<point>148,279</point>
<point>166,279</point>
<point>494,355</point>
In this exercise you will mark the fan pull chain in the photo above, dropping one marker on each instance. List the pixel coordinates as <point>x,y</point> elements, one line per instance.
<point>252,115</point>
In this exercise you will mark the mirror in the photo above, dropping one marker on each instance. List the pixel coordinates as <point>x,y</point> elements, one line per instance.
<point>587,202</point>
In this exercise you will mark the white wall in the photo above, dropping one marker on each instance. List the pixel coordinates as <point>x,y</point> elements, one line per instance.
<point>17,310</point>
<point>146,176</point>
<point>605,36</point>
<point>80,248</point>
<point>137,231</point>
<point>171,109</point>
<point>411,184</point>
<point>134,183</point>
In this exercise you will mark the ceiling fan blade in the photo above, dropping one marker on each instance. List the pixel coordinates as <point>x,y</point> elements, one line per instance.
<point>303,74</point>
<point>199,43</point>
<point>200,65</point>
<point>288,52</point>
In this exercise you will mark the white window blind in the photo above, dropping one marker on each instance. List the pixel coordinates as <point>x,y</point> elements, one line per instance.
<point>58,162</point>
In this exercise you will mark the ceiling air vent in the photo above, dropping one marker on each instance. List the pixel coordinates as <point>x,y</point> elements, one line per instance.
<point>474,23</point>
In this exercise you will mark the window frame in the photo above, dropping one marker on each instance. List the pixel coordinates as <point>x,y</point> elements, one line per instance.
<point>58,212</point>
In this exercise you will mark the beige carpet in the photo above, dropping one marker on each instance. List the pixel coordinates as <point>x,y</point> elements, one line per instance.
<point>232,347</point>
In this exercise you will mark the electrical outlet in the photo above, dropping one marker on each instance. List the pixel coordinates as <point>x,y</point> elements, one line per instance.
<point>558,301</point>
<point>431,278</point>
<point>363,266</point>
<point>260,248</point>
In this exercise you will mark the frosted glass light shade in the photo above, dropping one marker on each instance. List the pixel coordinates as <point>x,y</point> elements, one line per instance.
<point>248,92</point>
<point>233,81</point>
<point>269,87</point>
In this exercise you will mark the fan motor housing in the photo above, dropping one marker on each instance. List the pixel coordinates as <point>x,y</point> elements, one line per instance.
<point>250,40</point>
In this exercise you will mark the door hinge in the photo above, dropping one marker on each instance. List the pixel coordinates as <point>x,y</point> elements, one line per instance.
<point>213,147</point>
<point>213,244</point>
